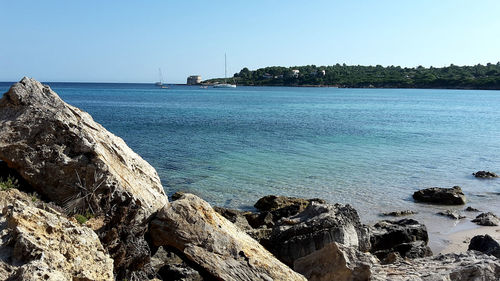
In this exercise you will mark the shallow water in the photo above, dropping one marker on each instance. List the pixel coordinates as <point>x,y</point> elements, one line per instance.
<point>371,148</point>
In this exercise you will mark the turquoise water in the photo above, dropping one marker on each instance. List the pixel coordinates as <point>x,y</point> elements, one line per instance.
<point>371,148</point>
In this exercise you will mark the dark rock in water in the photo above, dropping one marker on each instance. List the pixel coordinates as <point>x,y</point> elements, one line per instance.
<point>407,237</point>
<point>471,209</point>
<point>487,219</point>
<point>453,214</point>
<point>317,226</point>
<point>399,213</point>
<point>443,196</point>
<point>485,244</point>
<point>485,174</point>
<point>272,202</point>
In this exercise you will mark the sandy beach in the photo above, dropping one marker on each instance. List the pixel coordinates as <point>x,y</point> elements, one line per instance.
<point>458,241</point>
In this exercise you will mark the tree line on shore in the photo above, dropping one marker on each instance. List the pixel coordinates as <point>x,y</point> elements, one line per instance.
<point>358,76</point>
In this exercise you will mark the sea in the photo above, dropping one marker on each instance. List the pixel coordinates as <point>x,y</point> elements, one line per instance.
<point>371,148</point>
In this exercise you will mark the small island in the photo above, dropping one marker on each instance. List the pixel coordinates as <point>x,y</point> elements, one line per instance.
<point>485,77</point>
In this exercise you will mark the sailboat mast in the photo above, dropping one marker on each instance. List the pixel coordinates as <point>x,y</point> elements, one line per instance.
<point>225,68</point>
<point>161,76</point>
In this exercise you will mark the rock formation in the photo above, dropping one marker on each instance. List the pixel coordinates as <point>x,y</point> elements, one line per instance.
<point>485,244</point>
<point>452,214</point>
<point>39,243</point>
<point>406,237</point>
<point>487,219</point>
<point>317,226</point>
<point>399,213</point>
<point>336,262</point>
<point>444,196</point>
<point>457,267</point>
<point>191,226</point>
<point>70,159</point>
<point>485,174</point>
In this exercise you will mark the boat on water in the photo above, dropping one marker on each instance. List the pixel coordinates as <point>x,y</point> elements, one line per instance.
<point>160,83</point>
<point>225,84</point>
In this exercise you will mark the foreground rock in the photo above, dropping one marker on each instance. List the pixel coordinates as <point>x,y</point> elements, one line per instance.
<point>336,262</point>
<point>487,219</point>
<point>191,226</point>
<point>485,244</point>
<point>485,174</point>
<point>406,237</point>
<point>318,225</point>
<point>71,160</point>
<point>41,244</point>
<point>443,196</point>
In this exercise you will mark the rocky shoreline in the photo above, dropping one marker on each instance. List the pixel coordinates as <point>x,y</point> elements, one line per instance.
<point>78,204</point>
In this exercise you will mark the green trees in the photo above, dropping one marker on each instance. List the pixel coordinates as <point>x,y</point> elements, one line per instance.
<point>357,76</point>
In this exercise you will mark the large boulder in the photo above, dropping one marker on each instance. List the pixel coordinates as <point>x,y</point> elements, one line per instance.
<point>66,156</point>
<point>467,266</point>
<point>485,244</point>
<point>443,196</point>
<point>70,159</point>
<point>39,243</point>
<point>191,226</point>
<point>318,225</point>
<point>407,237</point>
<point>336,262</point>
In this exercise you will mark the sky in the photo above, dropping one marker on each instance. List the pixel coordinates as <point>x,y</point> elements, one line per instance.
<point>128,41</point>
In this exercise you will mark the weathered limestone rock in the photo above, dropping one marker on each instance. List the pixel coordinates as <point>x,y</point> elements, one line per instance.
<point>63,153</point>
<point>487,219</point>
<point>407,237</point>
<point>444,196</point>
<point>457,267</point>
<point>485,174</point>
<point>191,226</point>
<point>485,244</point>
<point>70,159</point>
<point>42,244</point>
<point>314,228</point>
<point>336,262</point>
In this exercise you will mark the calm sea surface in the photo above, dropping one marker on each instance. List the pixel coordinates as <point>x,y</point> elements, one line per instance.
<point>371,148</point>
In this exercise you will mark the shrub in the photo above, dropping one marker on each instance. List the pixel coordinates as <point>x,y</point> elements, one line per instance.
<point>81,218</point>
<point>11,182</point>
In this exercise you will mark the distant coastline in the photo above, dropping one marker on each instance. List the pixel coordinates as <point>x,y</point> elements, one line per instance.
<point>477,77</point>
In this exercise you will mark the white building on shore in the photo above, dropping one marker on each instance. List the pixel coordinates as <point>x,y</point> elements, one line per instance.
<point>194,80</point>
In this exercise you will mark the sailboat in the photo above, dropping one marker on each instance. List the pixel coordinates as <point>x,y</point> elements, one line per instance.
<point>225,84</point>
<point>160,83</point>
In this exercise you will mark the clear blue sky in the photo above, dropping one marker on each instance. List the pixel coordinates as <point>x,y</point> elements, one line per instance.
<point>127,41</point>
